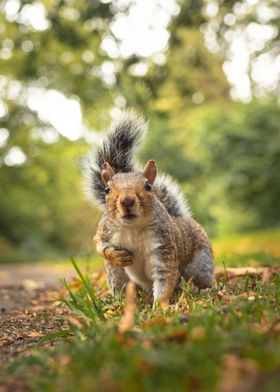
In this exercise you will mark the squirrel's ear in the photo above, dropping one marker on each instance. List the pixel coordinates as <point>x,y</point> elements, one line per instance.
<point>107,173</point>
<point>150,171</point>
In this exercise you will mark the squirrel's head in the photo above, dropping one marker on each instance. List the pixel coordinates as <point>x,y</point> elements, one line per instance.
<point>129,195</point>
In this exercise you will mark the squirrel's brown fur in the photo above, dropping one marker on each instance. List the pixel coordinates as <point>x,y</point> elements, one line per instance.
<point>148,239</point>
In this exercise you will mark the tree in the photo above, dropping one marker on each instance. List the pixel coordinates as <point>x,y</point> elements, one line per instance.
<point>251,30</point>
<point>240,150</point>
<point>58,49</point>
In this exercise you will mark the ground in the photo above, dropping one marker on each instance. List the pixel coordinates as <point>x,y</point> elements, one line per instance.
<point>28,309</point>
<point>78,338</point>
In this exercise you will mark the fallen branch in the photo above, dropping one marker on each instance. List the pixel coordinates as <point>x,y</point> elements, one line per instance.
<point>264,272</point>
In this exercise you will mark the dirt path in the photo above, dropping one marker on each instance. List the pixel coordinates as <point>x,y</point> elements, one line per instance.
<point>20,283</point>
<point>26,315</point>
<point>45,275</point>
<point>28,310</point>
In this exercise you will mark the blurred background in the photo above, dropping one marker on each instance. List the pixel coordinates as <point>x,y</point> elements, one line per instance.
<point>206,75</point>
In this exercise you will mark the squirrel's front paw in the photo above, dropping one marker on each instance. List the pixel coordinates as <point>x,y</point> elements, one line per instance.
<point>120,257</point>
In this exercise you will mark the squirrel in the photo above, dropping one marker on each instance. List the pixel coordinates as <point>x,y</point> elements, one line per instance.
<point>146,233</point>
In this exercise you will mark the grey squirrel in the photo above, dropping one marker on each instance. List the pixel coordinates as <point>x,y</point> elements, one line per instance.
<point>146,233</point>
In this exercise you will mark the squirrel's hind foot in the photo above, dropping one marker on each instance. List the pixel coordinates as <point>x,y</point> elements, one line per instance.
<point>201,268</point>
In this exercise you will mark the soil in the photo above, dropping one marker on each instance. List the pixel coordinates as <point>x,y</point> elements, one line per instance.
<point>28,310</point>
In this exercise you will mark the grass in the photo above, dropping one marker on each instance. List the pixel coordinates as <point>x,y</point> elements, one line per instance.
<point>225,339</point>
<point>250,249</point>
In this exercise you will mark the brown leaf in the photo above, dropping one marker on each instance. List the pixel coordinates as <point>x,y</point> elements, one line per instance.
<point>30,285</point>
<point>74,321</point>
<point>179,336</point>
<point>268,273</point>
<point>6,340</point>
<point>250,295</point>
<point>229,298</point>
<point>64,361</point>
<point>127,321</point>
<point>156,321</point>
<point>197,333</point>
<point>34,334</point>
<point>238,374</point>
<point>220,294</point>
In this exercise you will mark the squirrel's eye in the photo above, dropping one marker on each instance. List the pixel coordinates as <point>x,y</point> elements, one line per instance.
<point>107,190</point>
<point>148,187</point>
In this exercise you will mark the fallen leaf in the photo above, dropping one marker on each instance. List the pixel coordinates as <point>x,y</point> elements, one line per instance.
<point>197,333</point>
<point>220,294</point>
<point>238,374</point>
<point>34,334</point>
<point>6,340</point>
<point>30,285</point>
<point>250,295</point>
<point>127,321</point>
<point>177,336</point>
<point>74,321</point>
<point>110,313</point>
<point>229,298</point>
<point>64,361</point>
<point>156,321</point>
<point>268,273</point>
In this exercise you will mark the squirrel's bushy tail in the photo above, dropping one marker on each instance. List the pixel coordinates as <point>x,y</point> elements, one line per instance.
<point>118,148</point>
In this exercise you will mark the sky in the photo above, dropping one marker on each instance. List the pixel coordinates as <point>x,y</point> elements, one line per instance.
<point>144,31</point>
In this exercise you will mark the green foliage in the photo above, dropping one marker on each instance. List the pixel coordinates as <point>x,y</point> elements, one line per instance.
<point>196,78</point>
<point>161,146</point>
<point>85,302</point>
<point>42,202</point>
<point>65,55</point>
<point>241,154</point>
<point>43,212</point>
<point>225,155</point>
<point>227,158</point>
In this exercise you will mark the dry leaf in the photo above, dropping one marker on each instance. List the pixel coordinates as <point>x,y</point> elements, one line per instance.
<point>238,374</point>
<point>268,273</point>
<point>220,294</point>
<point>34,334</point>
<point>229,298</point>
<point>6,340</point>
<point>177,336</point>
<point>156,321</point>
<point>30,285</point>
<point>127,320</point>
<point>74,321</point>
<point>197,333</point>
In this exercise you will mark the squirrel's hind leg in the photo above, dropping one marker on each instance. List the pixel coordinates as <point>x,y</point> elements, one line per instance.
<point>116,278</point>
<point>166,274</point>
<point>201,268</point>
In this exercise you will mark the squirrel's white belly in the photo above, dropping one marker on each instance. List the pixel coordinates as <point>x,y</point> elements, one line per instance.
<point>140,243</point>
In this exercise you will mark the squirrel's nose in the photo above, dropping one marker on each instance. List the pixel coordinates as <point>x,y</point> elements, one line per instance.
<point>127,201</point>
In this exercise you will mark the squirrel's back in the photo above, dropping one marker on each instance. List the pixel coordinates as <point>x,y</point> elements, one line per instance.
<point>118,148</point>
